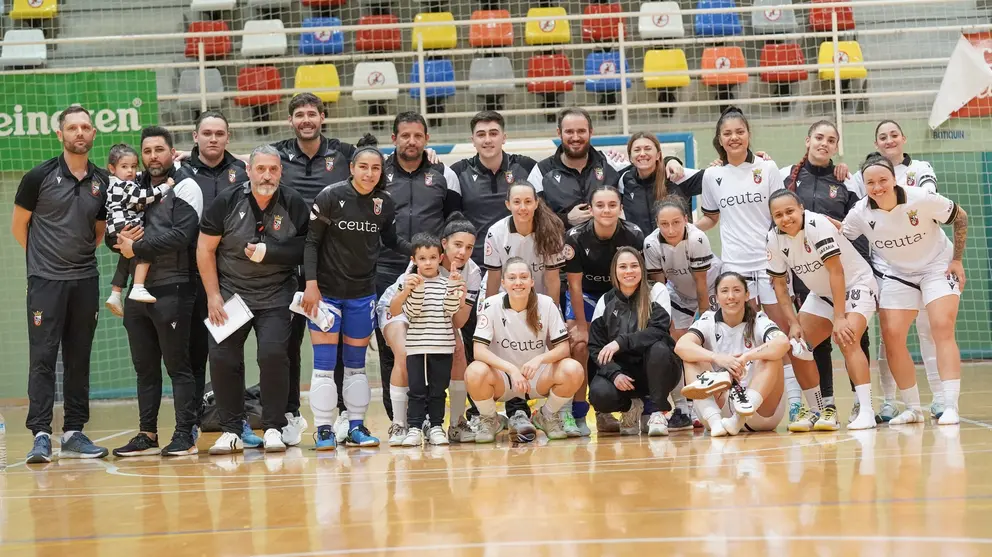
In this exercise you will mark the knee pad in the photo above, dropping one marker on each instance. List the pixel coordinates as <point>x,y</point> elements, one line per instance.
<point>353,357</point>
<point>356,391</point>
<point>325,356</point>
<point>323,397</point>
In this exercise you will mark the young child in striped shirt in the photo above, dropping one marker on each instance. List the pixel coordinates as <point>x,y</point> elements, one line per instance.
<point>429,302</point>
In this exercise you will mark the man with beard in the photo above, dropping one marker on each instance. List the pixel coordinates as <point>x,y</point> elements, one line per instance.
<point>255,257</point>
<point>59,218</point>
<point>424,194</point>
<point>215,170</point>
<point>160,331</point>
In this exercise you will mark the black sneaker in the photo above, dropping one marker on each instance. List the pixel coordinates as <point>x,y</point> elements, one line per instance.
<point>139,445</point>
<point>679,421</point>
<point>80,446</point>
<point>182,445</point>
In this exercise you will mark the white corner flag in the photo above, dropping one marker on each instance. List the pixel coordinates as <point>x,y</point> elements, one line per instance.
<point>967,75</point>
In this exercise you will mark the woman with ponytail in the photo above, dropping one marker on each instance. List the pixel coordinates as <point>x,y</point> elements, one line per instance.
<point>457,242</point>
<point>631,360</point>
<point>532,232</point>
<point>521,350</point>
<point>736,354</point>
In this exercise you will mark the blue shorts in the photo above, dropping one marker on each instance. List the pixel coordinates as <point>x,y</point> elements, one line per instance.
<point>588,303</point>
<point>354,318</point>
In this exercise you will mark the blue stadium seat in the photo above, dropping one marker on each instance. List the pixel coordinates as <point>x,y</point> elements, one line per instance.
<point>717,25</point>
<point>435,71</point>
<point>604,63</point>
<point>322,42</point>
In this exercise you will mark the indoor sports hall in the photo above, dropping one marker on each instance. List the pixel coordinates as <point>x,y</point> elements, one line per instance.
<point>669,68</point>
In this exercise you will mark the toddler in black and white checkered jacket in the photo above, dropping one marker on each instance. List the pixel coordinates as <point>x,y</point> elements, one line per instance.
<point>126,202</point>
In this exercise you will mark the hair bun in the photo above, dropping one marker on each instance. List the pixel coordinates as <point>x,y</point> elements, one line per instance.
<point>367,140</point>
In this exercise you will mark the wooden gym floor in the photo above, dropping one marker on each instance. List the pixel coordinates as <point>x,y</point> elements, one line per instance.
<point>909,491</point>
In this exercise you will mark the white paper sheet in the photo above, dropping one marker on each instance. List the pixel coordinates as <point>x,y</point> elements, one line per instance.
<point>237,315</point>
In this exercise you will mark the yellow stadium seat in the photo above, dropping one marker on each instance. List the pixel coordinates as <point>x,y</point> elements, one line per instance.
<point>665,61</point>
<point>850,58</point>
<point>547,31</point>
<point>34,9</point>
<point>319,76</point>
<point>442,35</point>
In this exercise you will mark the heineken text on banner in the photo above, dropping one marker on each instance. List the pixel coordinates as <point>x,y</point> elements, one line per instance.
<point>120,104</point>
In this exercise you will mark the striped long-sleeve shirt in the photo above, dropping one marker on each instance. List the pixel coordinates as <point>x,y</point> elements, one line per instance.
<point>429,308</point>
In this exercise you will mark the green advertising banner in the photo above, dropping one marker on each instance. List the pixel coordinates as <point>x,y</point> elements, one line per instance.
<point>120,103</point>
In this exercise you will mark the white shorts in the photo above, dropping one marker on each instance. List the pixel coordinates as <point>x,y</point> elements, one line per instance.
<point>916,291</point>
<point>757,422</point>
<point>759,285</point>
<point>386,317</point>
<point>509,394</point>
<point>683,308</point>
<point>860,299</point>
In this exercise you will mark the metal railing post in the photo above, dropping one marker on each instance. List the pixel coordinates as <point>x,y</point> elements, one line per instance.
<point>202,57</point>
<point>422,73</point>
<point>624,110</point>
<point>838,102</point>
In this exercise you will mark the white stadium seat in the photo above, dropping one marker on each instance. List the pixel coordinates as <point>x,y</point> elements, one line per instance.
<point>273,43</point>
<point>660,20</point>
<point>270,3</point>
<point>380,78</point>
<point>212,5</point>
<point>13,54</point>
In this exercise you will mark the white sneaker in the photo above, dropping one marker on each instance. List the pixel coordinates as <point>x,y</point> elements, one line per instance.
<point>707,384</point>
<point>397,433</point>
<point>801,349</point>
<point>414,437</point>
<point>437,437</point>
<point>341,427</point>
<point>461,432</point>
<point>139,294</point>
<point>273,441</point>
<point>114,304</point>
<point>228,443</point>
<point>521,427</point>
<point>948,417</point>
<point>827,421</point>
<point>657,425</point>
<point>738,399</point>
<point>909,416</point>
<point>292,433</point>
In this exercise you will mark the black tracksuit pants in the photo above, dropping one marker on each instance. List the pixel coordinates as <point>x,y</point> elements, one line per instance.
<point>199,348</point>
<point>158,332</point>
<point>227,370</point>
<point>654,376</point>
<point>60,313</point>
<point>429,376</point>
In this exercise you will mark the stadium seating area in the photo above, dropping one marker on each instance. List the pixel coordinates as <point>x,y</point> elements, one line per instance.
<point>265,23</point>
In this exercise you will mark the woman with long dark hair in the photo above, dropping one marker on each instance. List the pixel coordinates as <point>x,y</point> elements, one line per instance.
<point>648,180</point>
<point>631,360</point>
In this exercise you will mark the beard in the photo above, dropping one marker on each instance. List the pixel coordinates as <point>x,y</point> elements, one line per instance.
<point>581,153</point>
<point>266,190</point>
<point>76,150</point>
<point>307,135</point>
<point>401,153</point>
<point>158,172</point>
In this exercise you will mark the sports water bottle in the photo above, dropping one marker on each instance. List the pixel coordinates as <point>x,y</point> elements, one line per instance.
<point>3,444</point>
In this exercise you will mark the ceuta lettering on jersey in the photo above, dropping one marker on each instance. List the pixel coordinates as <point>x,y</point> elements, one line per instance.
<point>522,345</point>
<point>898,242</point>
<point>597,278</point>
<point>358,226</point>
<point>676,272</point>
<point>749,197</point>
<point>807,268</point>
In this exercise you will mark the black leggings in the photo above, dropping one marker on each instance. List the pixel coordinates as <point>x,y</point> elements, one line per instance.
<point>429,376</point>
<point>654,377</point>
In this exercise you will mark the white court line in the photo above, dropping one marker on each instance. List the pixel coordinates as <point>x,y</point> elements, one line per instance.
<point>56,451</point>
<point>620,541</point>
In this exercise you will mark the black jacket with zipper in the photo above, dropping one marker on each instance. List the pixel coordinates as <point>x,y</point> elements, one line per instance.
<point>618,321</point>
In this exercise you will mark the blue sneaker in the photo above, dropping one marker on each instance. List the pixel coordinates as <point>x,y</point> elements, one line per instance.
<point>794,409</point>
<point>248,437</point>
<point>324,439</point>
<point>360,436</point>
<point>80,446</point>
<point>195,432</point>
<point>41,452</point>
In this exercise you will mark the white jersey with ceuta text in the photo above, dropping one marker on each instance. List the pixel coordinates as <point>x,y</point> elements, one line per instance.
<point>721,338</point>
<point>507,334</point>
<point>911,173</point>
<point>739,194</point>
<point>503,242</point>
<point>691,255</point>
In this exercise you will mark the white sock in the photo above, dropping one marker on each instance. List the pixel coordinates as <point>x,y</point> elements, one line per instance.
<point>486,407</point>
<point>40,433</point>
<point>814,398</point>
<point>399,397</point>
<point>863,392</point>
<point>708,410</point>
<point>138,285</point>
<point>115,296</point>
<point>456,399</point>
<point>555,402</point>
<point>828,401</point>
<point>755,398</point>
<point>952,390</point>
<point>885,379</point>
<point>678,400</point>
<point>67,435</point>
<point>911,397</point>
<point>792,388</point>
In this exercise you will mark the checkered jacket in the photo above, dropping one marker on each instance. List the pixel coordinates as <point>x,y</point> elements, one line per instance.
<point>126,202</point>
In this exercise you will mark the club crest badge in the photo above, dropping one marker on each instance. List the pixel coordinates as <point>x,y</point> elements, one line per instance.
<point>95,188</point>
<point>329,163</point>
<point>232,174</point>
<point>756,174</point>
<point>806,245</point>
<point>568,252</point>
<point>913,219</point>
<point>509,177</point>
<point>277,222</point>
<point>428,179</point>
<point>833,192</point>
<point>37,318</point>
<point>377,205</point>
<point>910,179</point>
<point>599,173</point>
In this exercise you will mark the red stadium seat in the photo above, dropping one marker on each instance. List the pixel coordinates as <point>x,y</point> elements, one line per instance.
<point>819,18</point>
<point>213,47</point>
<point>379,39</point>
<point>549,65</point>
<point>788,54</point>
<point>260,78</point>
<point>604,29</point>
<point>482,35</point>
